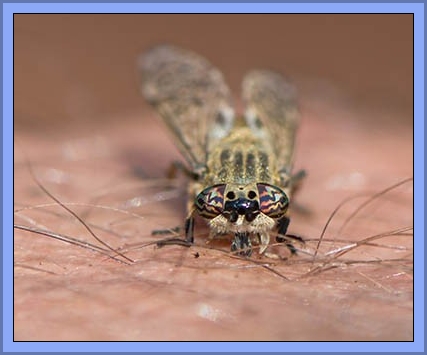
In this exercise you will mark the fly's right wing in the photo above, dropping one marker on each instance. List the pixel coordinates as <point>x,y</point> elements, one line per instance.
<point>191,96</point>
<point>272,112</point>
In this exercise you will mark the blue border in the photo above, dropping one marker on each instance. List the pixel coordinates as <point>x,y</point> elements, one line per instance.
<point>9,9</point>
<point>194,7</point>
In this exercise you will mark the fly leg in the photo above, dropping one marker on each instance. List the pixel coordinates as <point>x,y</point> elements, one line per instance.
<point>297,179</point>
<point>171,174</point>
<point>292,182</point>
<point>178,166</point>
<point>166,231</point>
<point>189,237</point>
<point>194,174</point>
<point>189,228</point>
<point>189,221</point>
<point>282,237</point>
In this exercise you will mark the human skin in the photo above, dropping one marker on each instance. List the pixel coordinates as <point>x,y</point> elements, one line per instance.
<point>115,179</point>
<point>82,128</point>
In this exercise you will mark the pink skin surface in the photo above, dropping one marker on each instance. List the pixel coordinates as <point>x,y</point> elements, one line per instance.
<point>112,173</point>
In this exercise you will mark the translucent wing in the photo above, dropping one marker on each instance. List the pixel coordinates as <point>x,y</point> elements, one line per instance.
<point>190,95</point>
<point>272,112</point>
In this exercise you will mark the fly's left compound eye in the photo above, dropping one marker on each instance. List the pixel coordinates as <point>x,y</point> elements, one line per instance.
<point>210,202</point>
<point>272,200</point>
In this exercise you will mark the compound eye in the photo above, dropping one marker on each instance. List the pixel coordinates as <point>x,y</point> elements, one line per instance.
<point>210,202</point>
<point>272,200</point>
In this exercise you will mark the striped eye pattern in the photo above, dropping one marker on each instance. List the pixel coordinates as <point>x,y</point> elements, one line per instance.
<point>210,202</point>
<point>272,201</point>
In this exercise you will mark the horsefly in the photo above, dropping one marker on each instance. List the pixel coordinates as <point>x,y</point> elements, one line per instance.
<point>240,165</point>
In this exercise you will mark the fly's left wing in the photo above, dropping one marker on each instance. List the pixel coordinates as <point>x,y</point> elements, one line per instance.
<point>191,96</point>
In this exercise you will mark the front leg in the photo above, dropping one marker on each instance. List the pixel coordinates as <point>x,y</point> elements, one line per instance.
<point>189,229</point>
<point>194,174</point>
<point>189,238</point>
<point>282,226</point>
<point>282,237</point>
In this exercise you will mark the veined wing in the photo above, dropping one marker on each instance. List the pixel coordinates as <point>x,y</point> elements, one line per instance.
<point>272,112</point>
<point>190,95</point>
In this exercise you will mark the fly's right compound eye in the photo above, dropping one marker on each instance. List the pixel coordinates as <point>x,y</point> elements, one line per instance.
<point>272,200</point>
<point>210,202</point>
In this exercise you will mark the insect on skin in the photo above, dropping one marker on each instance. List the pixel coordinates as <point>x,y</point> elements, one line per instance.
<point>240,165</point>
